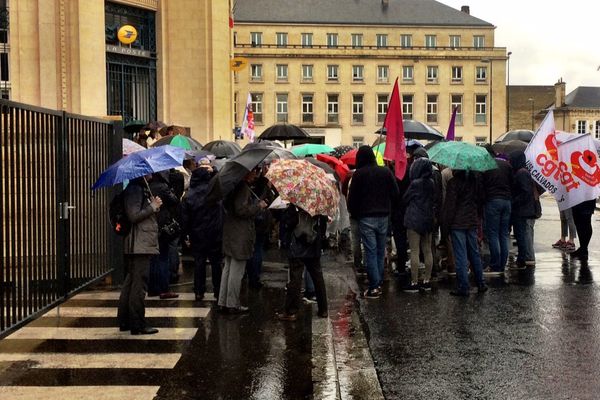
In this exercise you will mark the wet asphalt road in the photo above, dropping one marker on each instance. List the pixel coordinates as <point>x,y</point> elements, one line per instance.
<point>531,336</point>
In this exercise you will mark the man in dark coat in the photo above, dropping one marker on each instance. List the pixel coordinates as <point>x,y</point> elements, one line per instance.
<point>202,223</point>
<point>308,234</point>
<point>523,209</point>
<point>372,192</point>
<point>419,220</point>
<point>140,245</point>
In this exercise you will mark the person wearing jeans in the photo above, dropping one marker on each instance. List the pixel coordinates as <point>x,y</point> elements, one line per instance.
<point>523,208</point>
<point>372,193</point>
<point>460,217</point>
<point>497,184</point>
<point>497,231</point>
<point>568,231</point>
<point>466,250</point>
<point>373,233</point>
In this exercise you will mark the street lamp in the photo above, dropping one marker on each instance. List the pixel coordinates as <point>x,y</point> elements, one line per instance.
<point>508,90</point>
<point>488,60</point>
<point>532,101</point>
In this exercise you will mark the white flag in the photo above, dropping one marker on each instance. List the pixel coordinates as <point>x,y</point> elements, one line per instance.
<point>582,183</point>
<point>247,129</point>
<point>565,165</point>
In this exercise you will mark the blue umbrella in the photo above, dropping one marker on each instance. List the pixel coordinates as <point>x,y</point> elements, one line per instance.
<point>141,163</point>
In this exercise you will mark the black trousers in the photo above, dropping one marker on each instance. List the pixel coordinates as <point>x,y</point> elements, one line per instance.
<point>313,267</point>
<point>132,311</point>
<point>215,256</point>
<point>583,224</point>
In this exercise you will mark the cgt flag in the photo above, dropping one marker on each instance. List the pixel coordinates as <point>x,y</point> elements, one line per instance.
<point>566,165</point>
<point>247,129</point>
<point>395,148</point>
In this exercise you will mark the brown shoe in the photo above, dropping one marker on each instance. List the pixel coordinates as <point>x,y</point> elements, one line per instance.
<point>286,317</point>
<point>168,295</point>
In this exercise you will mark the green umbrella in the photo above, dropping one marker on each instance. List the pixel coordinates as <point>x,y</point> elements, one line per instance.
<point>461,155</point>
<point>310,149</point>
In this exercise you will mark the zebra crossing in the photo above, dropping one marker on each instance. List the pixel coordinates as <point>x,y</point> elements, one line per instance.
<point>76,351</point>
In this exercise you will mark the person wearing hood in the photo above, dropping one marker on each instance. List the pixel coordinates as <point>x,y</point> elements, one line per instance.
<point>525,209</point>
<point>372,192</point>
<point>419,220</point>
<point>202,221</point>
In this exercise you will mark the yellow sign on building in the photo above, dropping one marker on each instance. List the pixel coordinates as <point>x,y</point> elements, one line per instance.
<point>127,34</point>
<point>238,63</point>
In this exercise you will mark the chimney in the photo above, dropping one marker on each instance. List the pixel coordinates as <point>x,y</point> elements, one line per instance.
<point>559,93</point>
<point>465,9</point>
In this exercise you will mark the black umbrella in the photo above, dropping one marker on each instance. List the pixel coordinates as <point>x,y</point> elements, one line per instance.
<point>277,153</point>
<point>339,151</point>
<point>417,130</point>
<point>283,132</point>
<point>134,126</point>
<point>223,148</point>
<point>524,135</point>
<point>509,146</point>
<point>238,167</point>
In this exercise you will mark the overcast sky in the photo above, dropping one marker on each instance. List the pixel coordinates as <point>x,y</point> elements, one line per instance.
<point>549,39</point>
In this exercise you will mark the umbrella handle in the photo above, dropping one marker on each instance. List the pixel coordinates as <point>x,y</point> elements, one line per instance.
<point>148,186</point>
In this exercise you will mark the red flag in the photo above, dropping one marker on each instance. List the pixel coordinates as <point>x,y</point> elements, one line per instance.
<point>231,23</point>
<point>395,148</point>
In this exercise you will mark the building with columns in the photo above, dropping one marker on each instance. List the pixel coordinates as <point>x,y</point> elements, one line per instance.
<point>329,66</point>
<point>65,55</point>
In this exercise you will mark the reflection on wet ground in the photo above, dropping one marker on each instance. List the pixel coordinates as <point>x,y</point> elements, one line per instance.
<point>533,335</point>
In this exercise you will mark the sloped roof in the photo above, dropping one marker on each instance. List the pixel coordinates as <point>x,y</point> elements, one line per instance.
<point>354,12</point>
<point>584,97</point>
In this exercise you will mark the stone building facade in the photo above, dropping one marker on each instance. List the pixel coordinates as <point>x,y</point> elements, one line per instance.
<point>330,69</point>
<point>64,55</point>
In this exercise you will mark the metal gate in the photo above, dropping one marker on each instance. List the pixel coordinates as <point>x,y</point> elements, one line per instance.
<point>54,236</point>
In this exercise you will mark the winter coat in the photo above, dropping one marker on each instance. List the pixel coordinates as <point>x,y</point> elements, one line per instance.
<point>523,196</point>
<point>464,199</point>
<point>585,208</point>
<point>239,233</point>
<point>373,189</point>
<point>143,238</point>
<point>160,187</point>
<point>202,221</point>
<point>497,182</point>
<point>419,198</point>
<point>308,233</point>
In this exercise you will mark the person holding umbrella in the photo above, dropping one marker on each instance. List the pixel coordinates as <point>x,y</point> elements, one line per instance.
<point>238,241</point>
<point>140,245</point>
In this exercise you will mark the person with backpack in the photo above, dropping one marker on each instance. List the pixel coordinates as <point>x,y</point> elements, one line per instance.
<point>140,245</point>
<point>202,223</point>
<point>308,235</point>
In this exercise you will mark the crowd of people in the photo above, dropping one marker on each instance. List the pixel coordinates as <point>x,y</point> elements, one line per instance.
<point>435,215</point>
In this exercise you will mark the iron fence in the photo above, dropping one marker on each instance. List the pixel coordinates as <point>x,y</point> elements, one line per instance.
<point>54,236</point>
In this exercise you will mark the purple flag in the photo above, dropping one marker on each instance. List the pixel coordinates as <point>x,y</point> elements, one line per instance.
<point>450,134</point>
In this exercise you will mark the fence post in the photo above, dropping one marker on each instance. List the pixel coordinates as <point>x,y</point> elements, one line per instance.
<point>115,243</point>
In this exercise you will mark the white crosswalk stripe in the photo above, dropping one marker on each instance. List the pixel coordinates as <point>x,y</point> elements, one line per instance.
<point>135,359</point>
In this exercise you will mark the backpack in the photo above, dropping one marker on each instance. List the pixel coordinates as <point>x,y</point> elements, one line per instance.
<point>119,222</point>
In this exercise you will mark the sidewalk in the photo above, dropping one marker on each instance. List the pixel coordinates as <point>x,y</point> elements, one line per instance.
<point>75,351</point>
